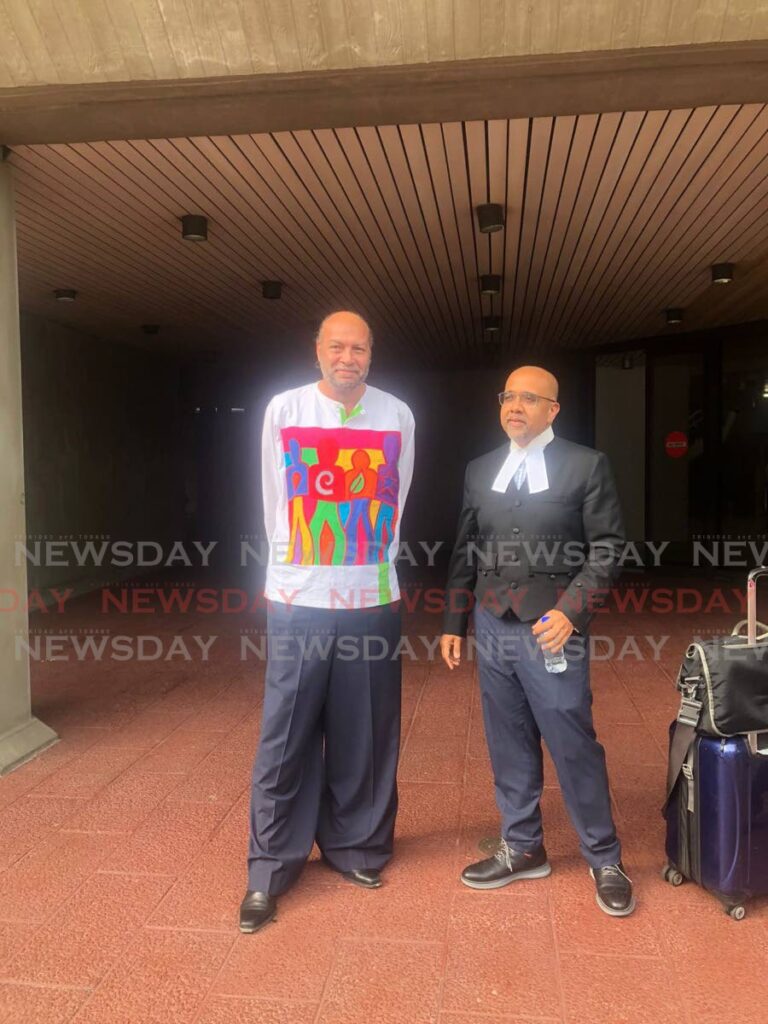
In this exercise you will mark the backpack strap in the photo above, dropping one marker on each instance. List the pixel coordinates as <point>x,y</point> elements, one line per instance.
<point>684,733</point>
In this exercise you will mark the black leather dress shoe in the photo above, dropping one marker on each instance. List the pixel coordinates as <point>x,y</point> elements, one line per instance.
<point>368,878</point>
<point>256,910</point>
<point>613,890</point>
<point>505,866</point>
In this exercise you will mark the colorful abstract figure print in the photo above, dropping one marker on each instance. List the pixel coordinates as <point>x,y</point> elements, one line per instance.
<point>343,492</point>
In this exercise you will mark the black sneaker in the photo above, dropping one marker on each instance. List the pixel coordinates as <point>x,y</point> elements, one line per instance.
<point>613,890</point>
<point>505,866</point>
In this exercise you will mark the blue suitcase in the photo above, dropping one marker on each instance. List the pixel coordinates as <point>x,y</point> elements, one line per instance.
<point>717,780</point>
<point>717,819</point>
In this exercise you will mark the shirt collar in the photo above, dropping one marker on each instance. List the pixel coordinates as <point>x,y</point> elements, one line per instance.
<point>540,441</point>
<point>344,416</point>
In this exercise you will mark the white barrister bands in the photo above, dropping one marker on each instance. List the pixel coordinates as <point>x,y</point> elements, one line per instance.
<point>535,464</point>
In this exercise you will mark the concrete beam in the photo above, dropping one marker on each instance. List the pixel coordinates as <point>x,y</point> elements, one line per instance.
<point>584,83</point>
<point>21,734</point>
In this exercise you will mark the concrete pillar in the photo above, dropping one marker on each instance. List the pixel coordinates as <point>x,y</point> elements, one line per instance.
<point>21,735</point>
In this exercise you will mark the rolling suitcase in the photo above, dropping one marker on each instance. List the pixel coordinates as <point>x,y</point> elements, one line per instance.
<point>717,784</point>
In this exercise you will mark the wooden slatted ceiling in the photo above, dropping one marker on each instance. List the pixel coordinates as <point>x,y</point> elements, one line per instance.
<point>610,219</point>
<point>80,41</point>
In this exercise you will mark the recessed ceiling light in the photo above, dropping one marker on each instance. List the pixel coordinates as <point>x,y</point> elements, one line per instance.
<point>65,294</point>
<point>722,273</point>
<point>271,289</point>
<point>490,284</point>
<point>674,316</point>
<point>491,324</point>
<point>194,227</point>
<point>490,217</point>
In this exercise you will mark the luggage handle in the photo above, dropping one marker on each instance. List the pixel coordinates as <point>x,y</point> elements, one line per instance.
<point>762,635</point>
<point>754,576</point>
<point>758,743</point>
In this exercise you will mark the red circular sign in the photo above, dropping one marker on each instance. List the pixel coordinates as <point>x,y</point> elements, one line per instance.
<point>676,444</point>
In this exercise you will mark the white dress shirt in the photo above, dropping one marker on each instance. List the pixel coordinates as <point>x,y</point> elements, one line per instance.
<point>535,465</point>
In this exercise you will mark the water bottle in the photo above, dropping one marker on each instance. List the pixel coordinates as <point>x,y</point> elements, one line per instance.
<point>554,661</point>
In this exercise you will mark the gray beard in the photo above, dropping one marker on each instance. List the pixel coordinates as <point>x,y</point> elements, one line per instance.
<point>349,385</point>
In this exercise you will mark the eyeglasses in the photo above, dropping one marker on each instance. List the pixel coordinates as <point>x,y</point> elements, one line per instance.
<point>526,398</point>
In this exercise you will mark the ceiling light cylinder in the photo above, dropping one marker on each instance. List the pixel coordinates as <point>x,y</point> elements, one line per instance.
<point>490,217</point>
<point>64,294</point>
<point>722,273</point>
<point>490,284</point>
<point>674,315</point>
<point>194,227</point>
<point>491,324</point>
<point>271,289</point>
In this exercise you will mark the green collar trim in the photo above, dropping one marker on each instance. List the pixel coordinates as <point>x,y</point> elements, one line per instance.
<point>346,416</point>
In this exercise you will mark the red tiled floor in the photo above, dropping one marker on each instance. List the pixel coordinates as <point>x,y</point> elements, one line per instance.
<point>168,839</point>
<point>89,773</point>
<point>429,812</point>
<point>237,1010</point>
<point>89,934</point>
<point>495,1018</point>
<point>727,988</point>
<point>123,806</point>
<point>122,864</point>
<point>410,974</point>
<point>35,886</point>
<point>578,929</point>
<point>221,777</point>
<point>12,935</point>
<point>501,956</point>
<point>29,820</point>
<point>165,977</point>
<point>620,990</point>
<point>292,958</point>
<point>26,1004</point>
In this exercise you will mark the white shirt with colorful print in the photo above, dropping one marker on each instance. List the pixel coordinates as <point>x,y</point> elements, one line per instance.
<point>334,485</point>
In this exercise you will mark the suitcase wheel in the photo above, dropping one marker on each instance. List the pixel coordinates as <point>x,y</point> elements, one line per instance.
<point>672,875</point>
<point>738,913</point>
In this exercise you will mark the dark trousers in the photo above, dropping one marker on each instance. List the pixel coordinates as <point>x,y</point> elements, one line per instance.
<point>326,765</point>
<point>523,703</point>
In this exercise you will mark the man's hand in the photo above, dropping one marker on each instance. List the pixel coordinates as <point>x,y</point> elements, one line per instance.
<point>450,648</point>
<point>553,633</point>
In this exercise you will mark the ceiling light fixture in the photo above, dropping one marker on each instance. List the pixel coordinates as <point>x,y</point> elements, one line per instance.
<point>722,273</point>
<point>65,294</point>
<point>194,227</point>
<point>491,324</point>
<point>490,217</point>
<point>271,289</point>
<point>490,284</point>
<point>674,316</point>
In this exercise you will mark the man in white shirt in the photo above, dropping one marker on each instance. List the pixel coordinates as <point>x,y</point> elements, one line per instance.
<point>544,515</point>
<point>337,462</point>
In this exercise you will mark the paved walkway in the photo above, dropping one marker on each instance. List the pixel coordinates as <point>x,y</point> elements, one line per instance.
<point>122,862</point>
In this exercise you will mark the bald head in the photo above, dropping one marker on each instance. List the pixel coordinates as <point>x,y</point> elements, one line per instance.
<point>344,320</point>
<point>543,382</point>
<point>530,404</point>
<point>343,347</point>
